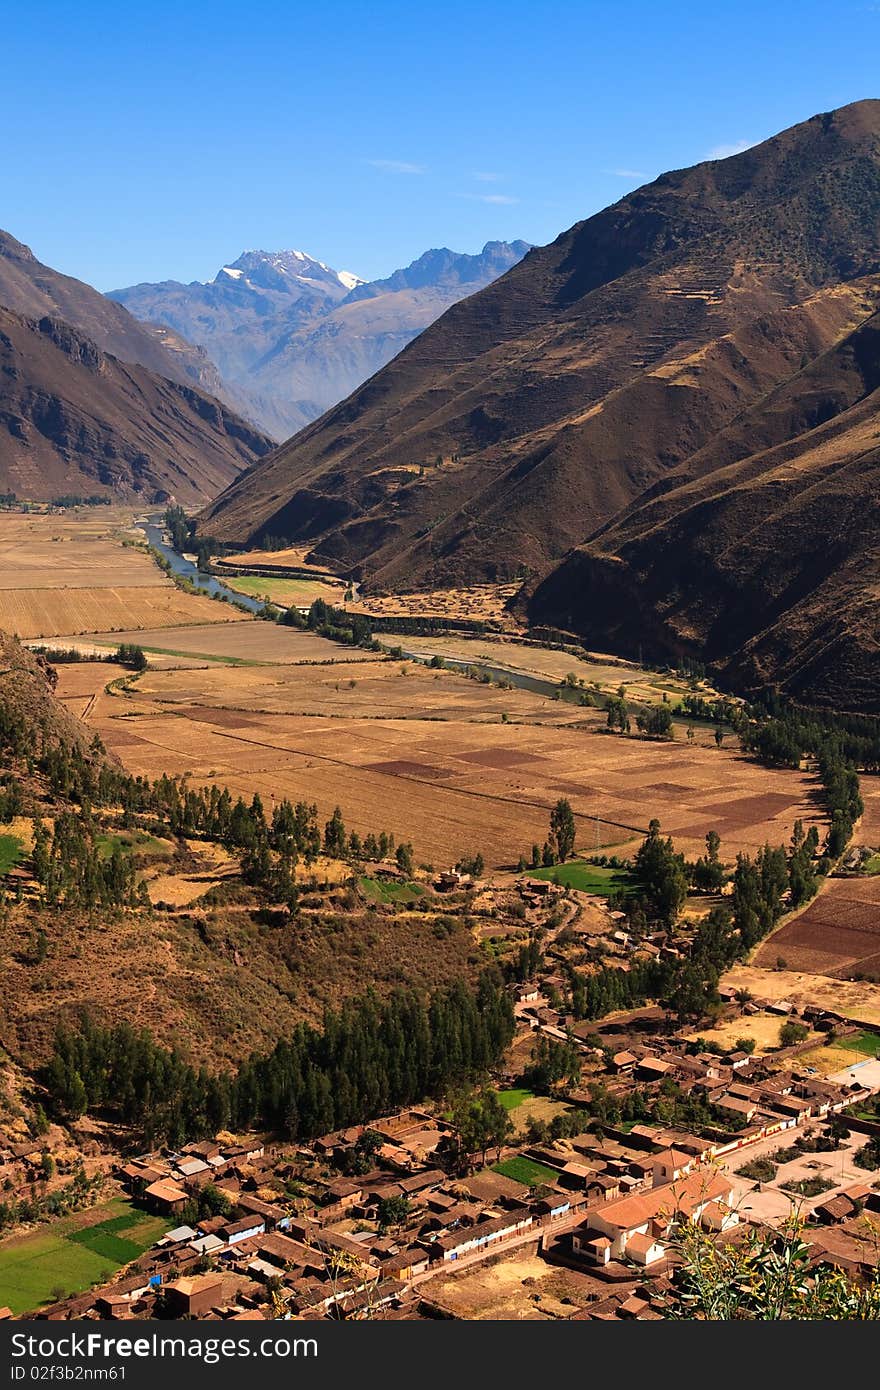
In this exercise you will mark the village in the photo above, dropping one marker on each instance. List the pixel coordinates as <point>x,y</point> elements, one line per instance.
<point>384,1221</point>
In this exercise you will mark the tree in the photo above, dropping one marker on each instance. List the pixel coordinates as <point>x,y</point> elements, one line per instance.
<point>662,874</point>
<point>708,871</point>
<point>618,713</point>
<point>767,1276</point>
<point>334,835</point>
<point>393,1211</point>
<point>562,829</point>
<point>656,721</point>
<point>792,1032</point>
<point>481,1123</point>
<point>404,857</point>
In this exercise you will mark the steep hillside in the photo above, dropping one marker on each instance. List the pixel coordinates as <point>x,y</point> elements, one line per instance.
<point>764,557</point>
<point>292,337</point>
<point>36,291</point>
<point>533,413</point>
<point>75,420</point>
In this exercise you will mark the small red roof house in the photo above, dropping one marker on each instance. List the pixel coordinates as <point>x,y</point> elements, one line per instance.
<point>195,1295</point>
<point>165,1196</point>
<point>590,1245</point>
<point>623,1061</point>
<point>645,1250</point>
<point>669,1165</point>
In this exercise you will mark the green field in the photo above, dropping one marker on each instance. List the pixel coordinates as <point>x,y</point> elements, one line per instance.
<point>515,1096</point>
<point>71,1254</point>
<point>380,892</point>
<point>865,1042</point>
<point>301,592</point>
<point>588,878</point>
<point>130,842</point>
<point>525,1170</point>
<point>11,852</point>
<point>872,865</point>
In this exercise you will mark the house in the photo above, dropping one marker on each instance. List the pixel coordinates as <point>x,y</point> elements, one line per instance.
<point>273,1214</point>
<point>718,1217</point>
<point>527,993</point>
<point>653,1069</point>
<point>645,1250</point>
<point>654,1211</point>
<point>194,1296</point>
<point>623,1061</point>
<point>479,1237</point>
<point>669,1166</point>
<point>179,1235</point>
<point>166,1197</point>
<point>192,1167</point>
<point>591,1246</point>
<point>206,1149</point>
<point>447,881</point>
<point>736,1106</point>
<point>235,1231</point>
<point>833,1209</point>
<point>207,1245</point>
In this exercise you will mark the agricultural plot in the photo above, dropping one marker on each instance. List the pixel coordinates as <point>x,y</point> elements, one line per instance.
<point>74,1253</point>
<point>316,677</point>
<point>485,603</point>
<point>50,612</point>
<point>526,1170</point>
<point>602,673</point>
<point>11,851</point>
<point>72,574</point>
<point>851,998</point>
<point>286,592</point>
<point>496,1289</point>
<point>429,757</point>
<point>70,552</point>
<point>762,1029</point>
<point>588,878</point>
<point>293,558</point>
<point>838,934</point>
<point>249,640</point>
<point>377,891</point>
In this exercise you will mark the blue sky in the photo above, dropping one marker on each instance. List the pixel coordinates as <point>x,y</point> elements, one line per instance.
<point>154,141</point>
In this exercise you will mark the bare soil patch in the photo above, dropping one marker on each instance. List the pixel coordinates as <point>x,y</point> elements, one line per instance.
<point>518,1287</point>
<point>838,934</point>
<point>851,998</point>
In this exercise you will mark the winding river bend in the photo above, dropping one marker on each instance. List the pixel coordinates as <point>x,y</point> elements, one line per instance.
<point>210,585</point>
<point>206,583</point>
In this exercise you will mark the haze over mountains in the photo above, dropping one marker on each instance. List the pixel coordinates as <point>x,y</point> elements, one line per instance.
<point>679,391</point>
<point>93,402</point>
<point>291,337</point>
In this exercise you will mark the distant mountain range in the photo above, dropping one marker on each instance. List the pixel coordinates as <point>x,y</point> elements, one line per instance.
<point>666,420</point>
<point>93,402</point>
<point>291,337</point>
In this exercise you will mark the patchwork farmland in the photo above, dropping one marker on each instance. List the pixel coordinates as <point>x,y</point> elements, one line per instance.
<point>451,764</point>
<point>72,574</point>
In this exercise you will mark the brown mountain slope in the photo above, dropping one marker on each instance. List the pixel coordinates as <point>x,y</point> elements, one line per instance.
<point>36,291</point>
<point>75,420</point>
<point>532,413</point>
<point>765,559</point>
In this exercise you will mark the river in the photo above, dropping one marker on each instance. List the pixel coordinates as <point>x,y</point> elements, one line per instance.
<point>154,528</point>
<point>206,583</point>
